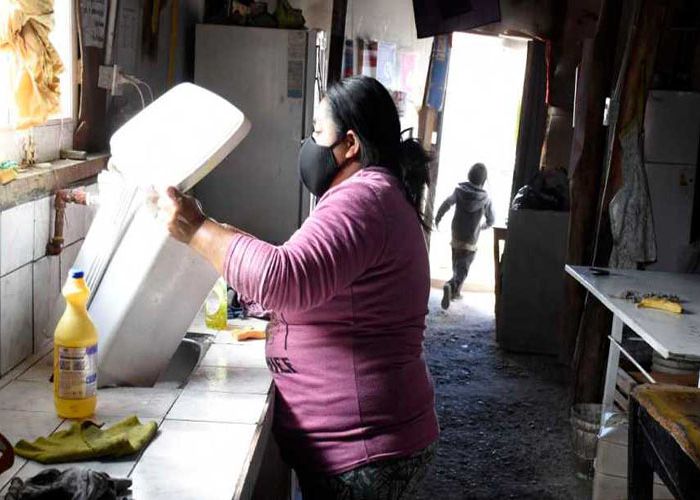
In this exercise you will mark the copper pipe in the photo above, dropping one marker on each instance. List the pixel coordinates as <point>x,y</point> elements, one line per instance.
<point>63,196</point>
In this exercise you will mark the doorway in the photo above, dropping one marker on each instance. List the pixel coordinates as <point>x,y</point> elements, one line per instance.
<point>480,124</point>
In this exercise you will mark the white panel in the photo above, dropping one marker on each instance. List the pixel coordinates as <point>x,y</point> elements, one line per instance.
<point>15,318</point>
<point>178,139</point>
<point>47,289</point>
<point>672,127</point>
<point>148,297</point>
<point>258,188</point>
<point>43,225</point>
<point>16,237</point>
<point>75,223</point>
<point>672,189</point>
<point>146,287</point>
<point>91,210</point>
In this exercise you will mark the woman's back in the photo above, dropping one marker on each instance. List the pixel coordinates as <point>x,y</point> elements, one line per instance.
<point>352,383</point>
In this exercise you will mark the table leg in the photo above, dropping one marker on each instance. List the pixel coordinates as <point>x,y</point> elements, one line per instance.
<point>640,474</point>
<point>611,371</point>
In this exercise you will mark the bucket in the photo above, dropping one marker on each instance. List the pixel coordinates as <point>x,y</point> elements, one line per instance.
<point>675,365</point>
<point>585,424</point>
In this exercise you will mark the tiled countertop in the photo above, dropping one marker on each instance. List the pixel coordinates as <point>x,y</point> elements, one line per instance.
<point>211,433</point>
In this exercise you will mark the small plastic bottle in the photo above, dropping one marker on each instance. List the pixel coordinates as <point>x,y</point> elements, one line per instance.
<point>216,306</point>
<point>75,353</point>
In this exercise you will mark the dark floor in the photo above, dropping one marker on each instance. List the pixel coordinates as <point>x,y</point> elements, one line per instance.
<point>503,416</point>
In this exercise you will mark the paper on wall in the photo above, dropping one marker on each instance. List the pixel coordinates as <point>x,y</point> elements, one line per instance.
<point>93,15</point>
<point>387,72</point>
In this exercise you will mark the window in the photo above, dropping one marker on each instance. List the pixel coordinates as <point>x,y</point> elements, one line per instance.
<point>63,39</point>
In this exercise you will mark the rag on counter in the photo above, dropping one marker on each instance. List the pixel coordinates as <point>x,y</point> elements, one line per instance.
<point>74,483</point>
<point>87,440</point>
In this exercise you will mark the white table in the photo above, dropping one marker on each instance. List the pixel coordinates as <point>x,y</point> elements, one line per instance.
<point>667,333</point>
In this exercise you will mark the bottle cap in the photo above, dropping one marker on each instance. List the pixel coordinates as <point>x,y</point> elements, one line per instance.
<point>76,274</point>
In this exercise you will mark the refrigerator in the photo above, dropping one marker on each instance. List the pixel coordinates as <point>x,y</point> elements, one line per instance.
<point>270,75</point>
<point>671,148</point>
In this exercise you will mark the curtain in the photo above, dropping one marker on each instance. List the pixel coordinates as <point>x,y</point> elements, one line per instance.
<point>533,117</point>
<point>35,65</point>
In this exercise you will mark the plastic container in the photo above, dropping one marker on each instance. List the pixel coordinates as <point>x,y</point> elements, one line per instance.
<point>216,306</point>
<point>610,480</point>
<point>147,287</point>
<point>75,353</point>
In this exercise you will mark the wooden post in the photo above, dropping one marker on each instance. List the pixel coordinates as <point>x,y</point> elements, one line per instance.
<point>591,343</point>
<point>91,130</point>
<point>586,163</point>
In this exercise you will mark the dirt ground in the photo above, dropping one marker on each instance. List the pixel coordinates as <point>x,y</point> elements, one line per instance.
<point>503,416</point>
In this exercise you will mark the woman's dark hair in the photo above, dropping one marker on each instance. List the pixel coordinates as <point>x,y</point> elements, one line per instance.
<point>363,105</point>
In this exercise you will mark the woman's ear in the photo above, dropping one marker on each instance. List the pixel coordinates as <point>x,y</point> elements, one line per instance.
<point>354,147</point>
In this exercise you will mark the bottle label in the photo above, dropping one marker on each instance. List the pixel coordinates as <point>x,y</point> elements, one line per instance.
<point>77,372</point>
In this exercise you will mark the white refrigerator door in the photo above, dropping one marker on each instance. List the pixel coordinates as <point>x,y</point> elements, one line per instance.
<point>672,189</point>
<point>269,75</point>
<point>672,127</point>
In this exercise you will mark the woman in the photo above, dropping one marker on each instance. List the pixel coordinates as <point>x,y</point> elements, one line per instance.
<point>354,408</point>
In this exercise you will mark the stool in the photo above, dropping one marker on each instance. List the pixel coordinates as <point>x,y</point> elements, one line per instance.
<point>664,437</point>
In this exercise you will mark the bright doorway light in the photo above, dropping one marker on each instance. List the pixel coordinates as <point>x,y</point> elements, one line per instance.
<point>480,124</point>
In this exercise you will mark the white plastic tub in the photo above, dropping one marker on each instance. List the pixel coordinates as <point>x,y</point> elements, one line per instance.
<point>147,287</point>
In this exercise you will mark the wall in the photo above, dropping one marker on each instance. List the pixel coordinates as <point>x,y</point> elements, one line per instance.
<point>30,281</point>
<point>49,139</point>
<point>132,58</point>
<point>388,21</point>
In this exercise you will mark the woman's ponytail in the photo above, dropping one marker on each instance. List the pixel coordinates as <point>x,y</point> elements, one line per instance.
<point>414,162</point>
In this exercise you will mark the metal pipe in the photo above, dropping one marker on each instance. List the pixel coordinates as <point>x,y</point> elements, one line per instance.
<point>63,197</point>
<point>111,29</point>
<point>634,361</point>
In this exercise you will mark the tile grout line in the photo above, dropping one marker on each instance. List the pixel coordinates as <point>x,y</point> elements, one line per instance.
<point>26,460</point>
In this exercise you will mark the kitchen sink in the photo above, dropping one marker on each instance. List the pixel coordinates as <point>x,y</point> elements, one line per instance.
<point>186,358</point>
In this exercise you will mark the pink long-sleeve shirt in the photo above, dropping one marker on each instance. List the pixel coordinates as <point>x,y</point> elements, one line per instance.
<point>349,291</point>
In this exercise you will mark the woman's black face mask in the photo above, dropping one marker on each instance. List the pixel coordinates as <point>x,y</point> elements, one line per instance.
<point>317,165</point>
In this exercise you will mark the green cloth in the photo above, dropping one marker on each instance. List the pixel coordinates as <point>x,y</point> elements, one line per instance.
<point>86,440</point>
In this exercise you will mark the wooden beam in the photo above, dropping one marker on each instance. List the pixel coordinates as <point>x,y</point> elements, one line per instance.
<point>586,163</point>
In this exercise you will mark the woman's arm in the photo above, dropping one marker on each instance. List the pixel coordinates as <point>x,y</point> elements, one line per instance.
<point>187,223</point>
<point>336,244</point>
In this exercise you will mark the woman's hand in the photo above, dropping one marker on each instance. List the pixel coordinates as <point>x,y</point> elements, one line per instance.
<point>182,213</point>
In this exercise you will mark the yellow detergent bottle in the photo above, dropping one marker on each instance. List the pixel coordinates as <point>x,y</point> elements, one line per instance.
<point>75,353</point>
<point>216,307</point>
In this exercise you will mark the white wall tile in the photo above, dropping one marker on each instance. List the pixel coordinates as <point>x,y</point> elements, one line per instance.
<point>47,290</point>
<point>16,237</point>
<point>68,256</point>
<point>43,225</point>
<point>16,339</point>
<point>46,138</point>
<point>75,223</point>
<point>11,145</point>
<point>67,134</point>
